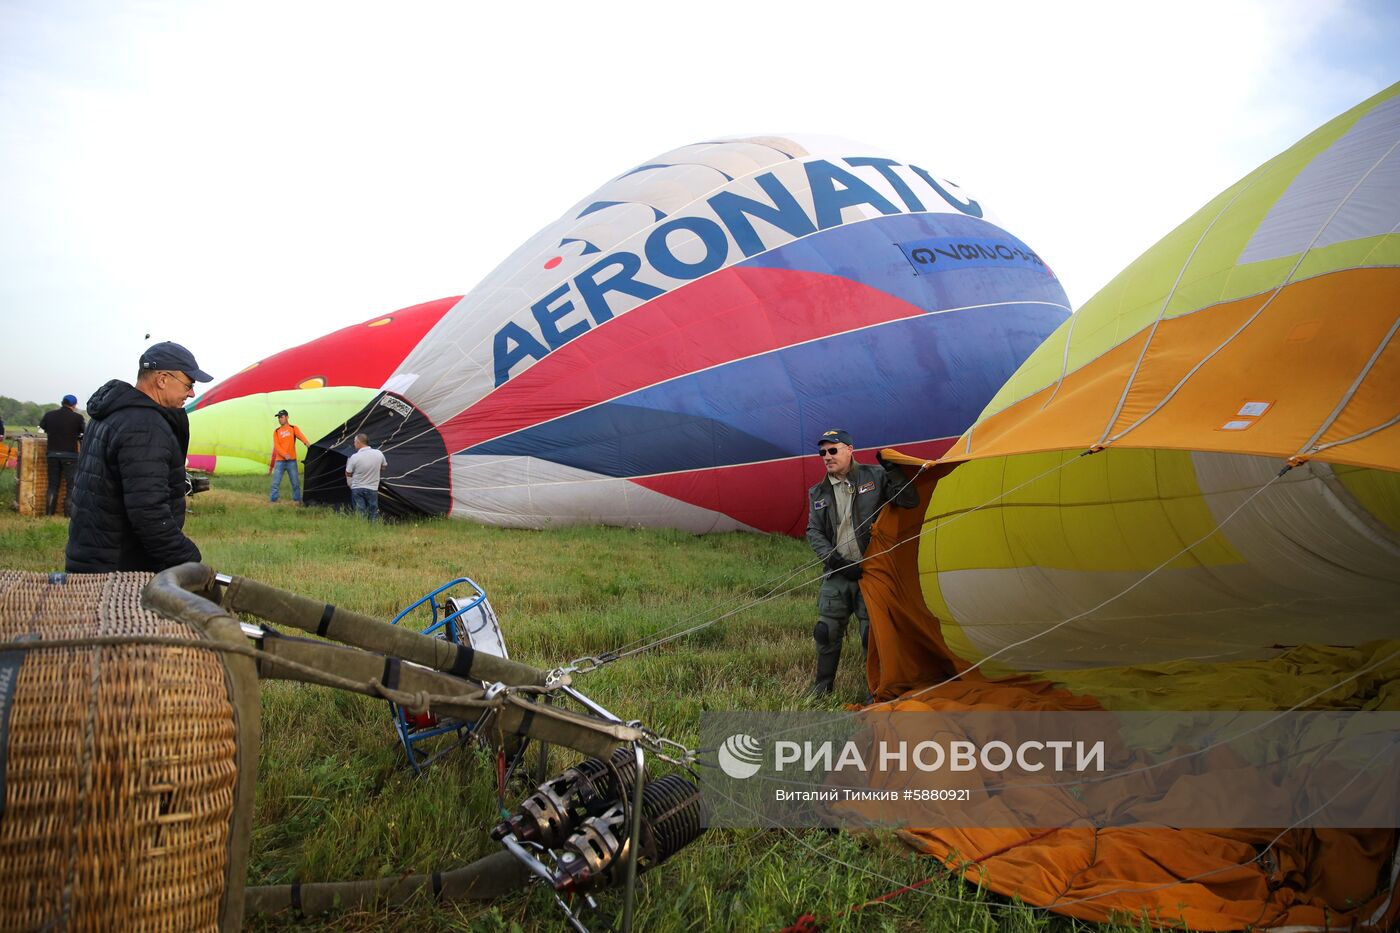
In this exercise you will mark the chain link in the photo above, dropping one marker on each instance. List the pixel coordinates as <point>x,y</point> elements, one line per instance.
<point>659,744</point>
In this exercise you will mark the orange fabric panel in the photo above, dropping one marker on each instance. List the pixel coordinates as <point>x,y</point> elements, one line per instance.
<point>1205,879</point>
<point>1081,405</point>
<point>1300,356</point>
<point>1376,401</point>
<point>1381,447</point>
<point>906,645</point>
<point>1102,875</point>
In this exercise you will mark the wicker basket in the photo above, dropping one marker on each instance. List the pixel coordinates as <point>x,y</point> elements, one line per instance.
<point>33,469</point>
<point>121,789</point>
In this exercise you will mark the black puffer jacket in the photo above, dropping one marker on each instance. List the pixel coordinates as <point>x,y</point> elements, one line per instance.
<point>129,486</point>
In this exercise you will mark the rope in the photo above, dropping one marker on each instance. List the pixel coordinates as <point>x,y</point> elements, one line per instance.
<point>668,634</point>
<point>628,651</point>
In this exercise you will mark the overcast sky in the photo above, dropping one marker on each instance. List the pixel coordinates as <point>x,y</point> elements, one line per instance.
<point>245,176</point>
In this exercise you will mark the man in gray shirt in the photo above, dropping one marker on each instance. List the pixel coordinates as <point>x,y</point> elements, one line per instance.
<point>362,473</point>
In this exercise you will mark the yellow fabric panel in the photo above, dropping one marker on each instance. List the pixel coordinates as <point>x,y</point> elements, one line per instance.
<point>1376,251</point>
<point>1378,491</point>
<point>1271,684</point>
<point>1135,297</point>
<point>983,541</point>
<point>1117,510</point>
<point>1212,276</point>
<point>963,535</point>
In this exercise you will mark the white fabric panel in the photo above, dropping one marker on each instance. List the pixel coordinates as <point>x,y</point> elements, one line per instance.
<point>454,362</point>
<point>1317,569</point>
<point>523,492</point>
<point>1365,159</point>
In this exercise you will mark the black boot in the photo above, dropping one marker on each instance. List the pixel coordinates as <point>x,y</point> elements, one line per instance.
<point>51,504</point>
<point>826,675</point>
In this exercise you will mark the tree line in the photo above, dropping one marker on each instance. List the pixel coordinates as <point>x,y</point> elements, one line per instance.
<point>16,413</point>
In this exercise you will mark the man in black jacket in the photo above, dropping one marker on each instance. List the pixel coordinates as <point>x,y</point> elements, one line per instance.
<point>840,510</point>
<point>64,427</point>
<point>129,492</point>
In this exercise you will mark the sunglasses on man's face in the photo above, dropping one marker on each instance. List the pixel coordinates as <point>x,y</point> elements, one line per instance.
<point>829,451</point>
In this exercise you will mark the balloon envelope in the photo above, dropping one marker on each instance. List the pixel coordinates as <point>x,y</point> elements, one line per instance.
<point>1259,333</point>
<point>1188,498</point>
<point>668,352</point>
<point>235,437</point>
<point>362,355</point>
<point>352,363</point>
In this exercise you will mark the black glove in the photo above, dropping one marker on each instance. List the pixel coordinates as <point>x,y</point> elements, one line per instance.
<point>838,566</point>
<point>892,469</point>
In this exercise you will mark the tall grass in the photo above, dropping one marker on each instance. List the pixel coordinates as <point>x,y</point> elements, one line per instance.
<point>336,800</point>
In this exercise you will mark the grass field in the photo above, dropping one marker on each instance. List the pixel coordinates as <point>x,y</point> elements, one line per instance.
<point>336,800</point>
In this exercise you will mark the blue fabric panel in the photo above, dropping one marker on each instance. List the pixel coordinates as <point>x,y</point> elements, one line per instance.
<point>749,410</point>
<point>875,253</point>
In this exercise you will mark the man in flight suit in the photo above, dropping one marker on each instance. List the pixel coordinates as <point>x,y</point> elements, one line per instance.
<point>841,509</point>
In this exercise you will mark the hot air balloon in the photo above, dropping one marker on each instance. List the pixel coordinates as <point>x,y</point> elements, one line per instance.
<point>362,355</point>
<point>665,353</point>
<point>230,425</point>
<point>1187,498</point>
<point>235,436</point>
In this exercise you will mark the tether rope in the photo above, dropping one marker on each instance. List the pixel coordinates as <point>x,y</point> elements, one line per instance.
<point>651,641</point>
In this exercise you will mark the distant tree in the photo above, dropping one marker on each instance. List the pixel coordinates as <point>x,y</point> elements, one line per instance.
<point>17,414</point>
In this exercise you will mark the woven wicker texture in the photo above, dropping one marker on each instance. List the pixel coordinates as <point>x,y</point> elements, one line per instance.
<point>120,770</point>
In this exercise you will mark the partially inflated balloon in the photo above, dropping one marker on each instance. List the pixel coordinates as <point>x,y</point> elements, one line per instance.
<point>353,361</point>
<point>669,351</point>
<point>1259,333</point>
<point>1187,499</point>
<point>235,437</point>
<point>362,355</point>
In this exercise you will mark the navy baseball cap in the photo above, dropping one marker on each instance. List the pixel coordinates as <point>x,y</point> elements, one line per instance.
<point>70,400</point>
<point>280,413</point>
<point>836,436</point>
<point>173,358</point>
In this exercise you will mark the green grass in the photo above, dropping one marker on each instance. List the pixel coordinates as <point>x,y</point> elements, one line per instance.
<point>336,800</point>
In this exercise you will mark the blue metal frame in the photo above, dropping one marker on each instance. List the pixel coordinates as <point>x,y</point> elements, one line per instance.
<point>442,626</point>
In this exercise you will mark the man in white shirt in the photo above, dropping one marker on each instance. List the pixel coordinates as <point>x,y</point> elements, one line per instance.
<point>362,474</point>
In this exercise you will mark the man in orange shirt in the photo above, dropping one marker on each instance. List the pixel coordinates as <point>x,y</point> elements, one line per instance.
<point>284,456</point>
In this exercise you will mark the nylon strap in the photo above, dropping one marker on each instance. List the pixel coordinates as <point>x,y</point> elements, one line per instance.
<point>10,662</point>
<point>325,623</point>
<point>462,664</point>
